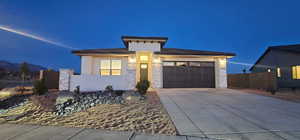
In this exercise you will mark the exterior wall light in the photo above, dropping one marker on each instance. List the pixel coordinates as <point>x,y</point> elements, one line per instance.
<point>132,59</point>
<point>222,63</point>
<point>156,60</point>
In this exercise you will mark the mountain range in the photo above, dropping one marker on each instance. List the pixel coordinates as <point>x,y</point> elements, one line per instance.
<point>8,66</point>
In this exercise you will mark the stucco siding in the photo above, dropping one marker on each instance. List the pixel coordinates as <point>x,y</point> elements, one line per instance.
<point>91,80</point>
<point>97,82</point>
<point>86,64</point>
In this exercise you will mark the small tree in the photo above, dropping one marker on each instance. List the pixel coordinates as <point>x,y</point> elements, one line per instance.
<point>142,86</point>
<point>24,72</point>
<point>39,87</point>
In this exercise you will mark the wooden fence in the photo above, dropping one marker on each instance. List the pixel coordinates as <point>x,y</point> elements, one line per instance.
<point>261,80</point>
<point>51,78</point>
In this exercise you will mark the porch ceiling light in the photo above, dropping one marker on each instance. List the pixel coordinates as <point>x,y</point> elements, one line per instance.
<point>144,58</point>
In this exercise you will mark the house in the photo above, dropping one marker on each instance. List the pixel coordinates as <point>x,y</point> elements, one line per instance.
<point>282,60</point>
<point>146,58</point>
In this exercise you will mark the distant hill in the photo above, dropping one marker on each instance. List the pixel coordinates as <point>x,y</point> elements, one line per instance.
<point>16,66</point>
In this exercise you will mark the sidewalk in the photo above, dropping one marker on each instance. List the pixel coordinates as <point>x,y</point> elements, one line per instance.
<point>34,132</point>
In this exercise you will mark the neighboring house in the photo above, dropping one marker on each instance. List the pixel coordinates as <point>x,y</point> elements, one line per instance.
<point>284,61</point>
<point>145,58</point>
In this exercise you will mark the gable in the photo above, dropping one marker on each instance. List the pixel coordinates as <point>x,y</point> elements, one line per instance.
<point>266,60</point>
<point>274,57</point>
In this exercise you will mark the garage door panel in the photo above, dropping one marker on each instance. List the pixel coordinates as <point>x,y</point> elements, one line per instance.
<point>189,76</point>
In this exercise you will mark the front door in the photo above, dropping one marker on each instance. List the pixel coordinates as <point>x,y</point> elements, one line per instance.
<point>143,71</point>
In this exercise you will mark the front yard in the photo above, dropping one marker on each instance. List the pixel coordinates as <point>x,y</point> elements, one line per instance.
<point>144,116</point>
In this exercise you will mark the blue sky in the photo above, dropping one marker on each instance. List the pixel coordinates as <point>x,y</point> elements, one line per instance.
<point>245,27</point>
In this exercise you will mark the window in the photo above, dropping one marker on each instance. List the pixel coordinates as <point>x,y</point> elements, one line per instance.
<point>105,67</point>
<point>169,63</point>
<point>110,67</point>
<point>181,64</point>
<point>195,64</point>
<point>296,72</point>
<point>278,72</point>
<point>115,67</point>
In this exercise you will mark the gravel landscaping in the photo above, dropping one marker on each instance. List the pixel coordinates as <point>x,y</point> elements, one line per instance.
<point>130,112</point>
<point>69,104</point>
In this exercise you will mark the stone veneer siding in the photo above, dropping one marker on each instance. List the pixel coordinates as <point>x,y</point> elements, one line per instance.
<point>64,79</point>
<point>157,75</point>
<point>141,46</point>
<point>220,73</point>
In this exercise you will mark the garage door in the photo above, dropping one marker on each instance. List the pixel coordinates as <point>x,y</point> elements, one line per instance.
<point>188,74</point>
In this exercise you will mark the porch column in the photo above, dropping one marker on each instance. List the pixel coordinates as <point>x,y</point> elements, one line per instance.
<point>221,72</point>
<point>64,79</point>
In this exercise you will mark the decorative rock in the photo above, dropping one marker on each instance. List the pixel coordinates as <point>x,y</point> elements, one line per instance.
<point>85,101</point>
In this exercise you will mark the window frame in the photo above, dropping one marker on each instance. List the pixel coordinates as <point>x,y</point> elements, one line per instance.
<point>191,64</point>
<point>278,72</point>
<point>110,67</point>
<point>173,63</point>
<point>292,72</point>
<point>186,63</point>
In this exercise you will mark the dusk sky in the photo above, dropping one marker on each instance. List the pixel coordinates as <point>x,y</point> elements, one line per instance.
<point>44,32</point>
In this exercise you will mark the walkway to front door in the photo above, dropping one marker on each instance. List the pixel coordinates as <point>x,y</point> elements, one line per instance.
<point>231,114</point>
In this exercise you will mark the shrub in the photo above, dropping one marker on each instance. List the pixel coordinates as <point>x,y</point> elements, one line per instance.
<point>77,90</point>
<point>142,86</point>
<point>109,88</point>
<point>46,102</point>
<point>39,87</point>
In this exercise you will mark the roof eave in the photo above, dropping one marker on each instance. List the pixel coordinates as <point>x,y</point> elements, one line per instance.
<point>226,54</point>
<point>102,54</point>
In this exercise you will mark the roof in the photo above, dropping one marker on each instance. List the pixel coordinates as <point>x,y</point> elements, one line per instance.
<point>104,51</point>
<point>164,51</point>
<point>175,51</point>
<point>287,48</point>
<point>290,48</point>
<point>126,39</point>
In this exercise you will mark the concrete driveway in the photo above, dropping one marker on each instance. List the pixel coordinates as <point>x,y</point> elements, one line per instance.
<point>231,114</point>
